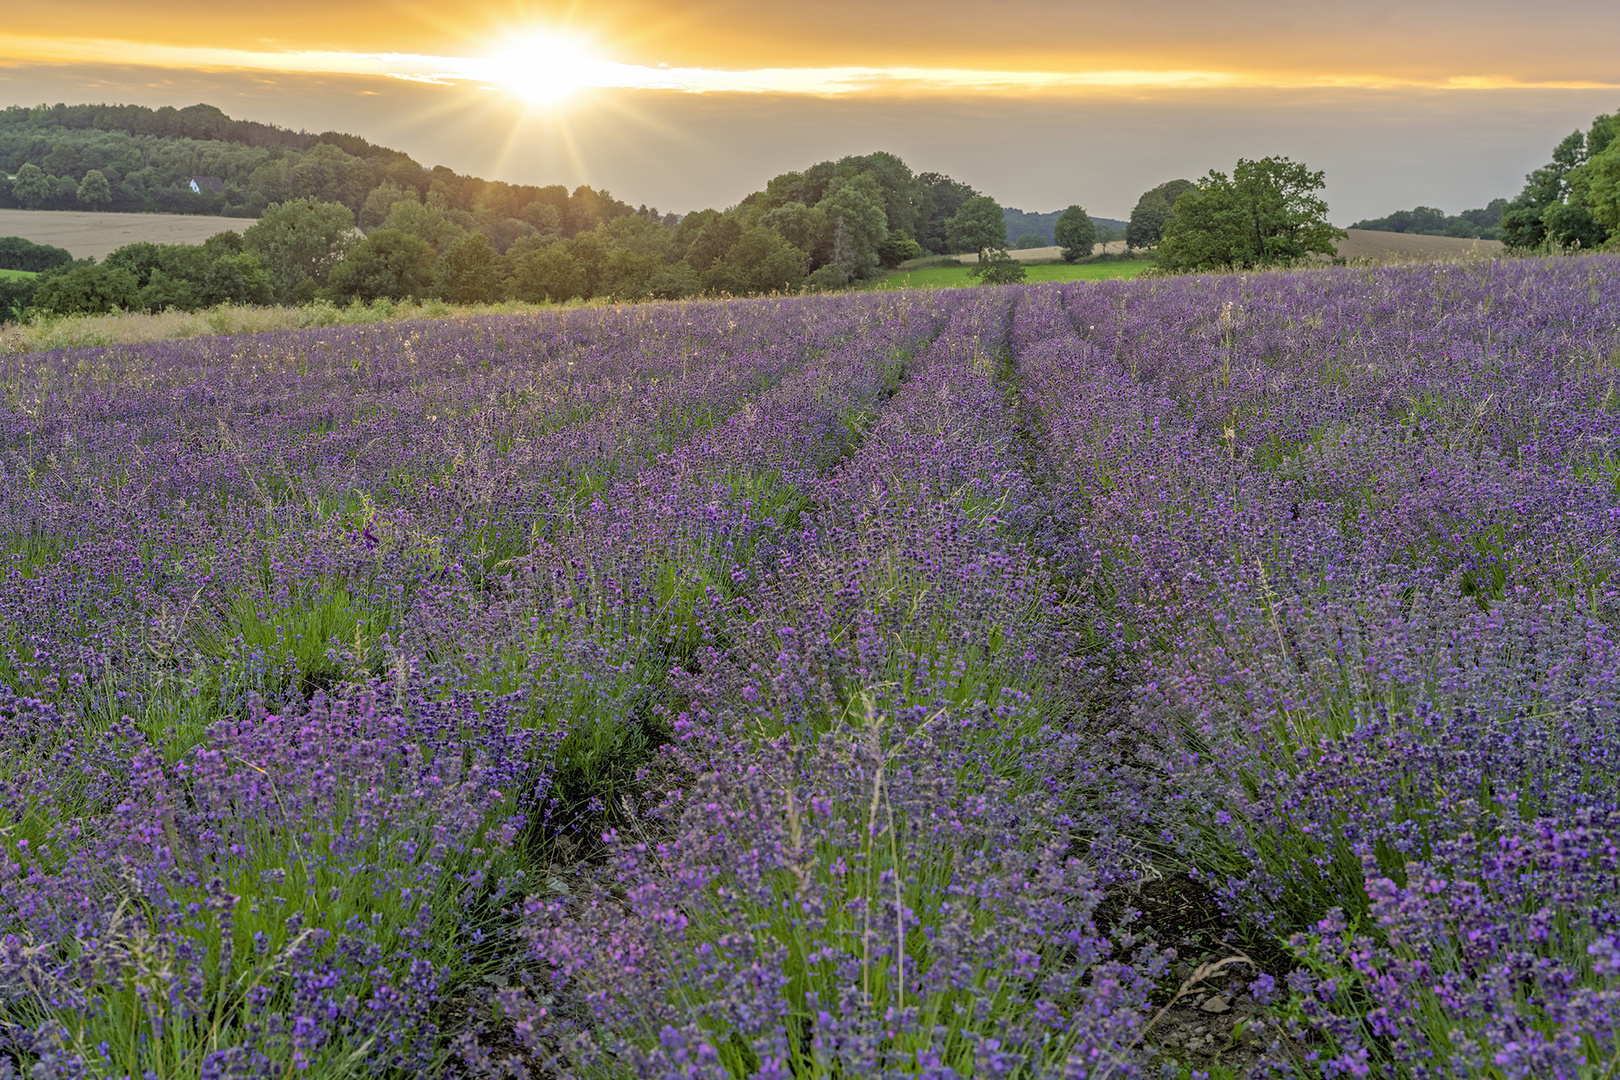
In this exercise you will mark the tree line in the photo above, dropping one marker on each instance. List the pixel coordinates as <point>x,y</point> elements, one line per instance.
<point>419,234</point>
<point>1571,203</point>
<point>127,158</point>
<point>1029,229</point>
<point>1268,212</point>
<point>1484,223</point>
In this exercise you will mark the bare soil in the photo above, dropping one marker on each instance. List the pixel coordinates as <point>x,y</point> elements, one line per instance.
<point>92,235</point>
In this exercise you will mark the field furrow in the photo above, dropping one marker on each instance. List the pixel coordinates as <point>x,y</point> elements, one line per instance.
<point>902,684</point>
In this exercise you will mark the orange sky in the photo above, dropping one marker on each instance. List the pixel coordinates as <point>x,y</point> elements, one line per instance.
<point>1416,40</point>
<point>1180,85</point>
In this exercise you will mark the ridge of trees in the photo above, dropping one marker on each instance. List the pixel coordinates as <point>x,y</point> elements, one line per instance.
<point>1484,223</point>
<point>129,158</point>
<point>352,221</point>
<point>1574,200</point>
<point>1022,224</point>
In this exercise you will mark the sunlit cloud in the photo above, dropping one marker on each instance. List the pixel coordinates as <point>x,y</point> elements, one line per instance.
<point>546,70</point>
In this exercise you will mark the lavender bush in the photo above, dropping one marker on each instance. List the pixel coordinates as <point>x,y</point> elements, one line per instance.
<point>819,686</point>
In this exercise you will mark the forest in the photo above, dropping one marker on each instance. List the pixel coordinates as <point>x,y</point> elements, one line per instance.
<point>342,219</point>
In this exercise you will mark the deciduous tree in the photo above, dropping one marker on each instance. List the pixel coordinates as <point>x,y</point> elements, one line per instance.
<point>978,226</point>
<point>1151,212</point>
<point>999,269</point>
<point>1075,233</point>
<point>88,290</point>
<point>32,187</point>
<point>94,189</point>
<point>864,224</point>
<point>299,243</point>
<point>1267,214</point>
<point>389,264</point>
<point>469,271</point>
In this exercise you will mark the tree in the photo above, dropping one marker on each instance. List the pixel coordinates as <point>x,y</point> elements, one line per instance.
<point>94,190</point>
<point>1075,233</point>
<point>860,218</point>
<point>387,265</point>
<point>380,201</point>
<point>1571,225</point>
<point>804,226</point>
<point>544,219</point>
<point>32,187</point>
<point>168,274</point>
<point>16,293</point>
<point>469,271</point>
<point>424,222</point>
<point>1557,203</point>
<point>235,279</point>
<point>19,254</point>
<point>761,261</point>
<point>999,269</point>
<point>88,290</point>
<point>714,239</point>
<point>674,281</point>
<point>223,243</point>
<point>1030,241</point>
<point>299,243</point>
<point>978,226</point>
<point>1267,214</point>
<point>550,274</point>
<point>938,199</point>
<point>1599,184</point>
<point>897,249</point>
<point>1152,211</point>
<point>897,189</point>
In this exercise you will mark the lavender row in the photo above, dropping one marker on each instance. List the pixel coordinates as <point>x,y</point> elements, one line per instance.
<point>864,876</point>
<point>1352,540</point>
<point>312,882</point>
<point>204,510</point>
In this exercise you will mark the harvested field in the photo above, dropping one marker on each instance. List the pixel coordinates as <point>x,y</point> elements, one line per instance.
<point>1361,244</point>
<point>1043,254</point>
<point>1404,247</point>
<point>92,235</point>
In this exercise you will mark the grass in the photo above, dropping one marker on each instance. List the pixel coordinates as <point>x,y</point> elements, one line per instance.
<point>4,273</point>
<point>956,277</point>
<point>138,328</point>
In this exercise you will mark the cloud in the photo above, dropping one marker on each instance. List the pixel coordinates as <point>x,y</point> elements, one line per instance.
<point>586,73</point>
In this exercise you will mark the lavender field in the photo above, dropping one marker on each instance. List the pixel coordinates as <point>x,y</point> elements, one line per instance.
<point>1208,676</point>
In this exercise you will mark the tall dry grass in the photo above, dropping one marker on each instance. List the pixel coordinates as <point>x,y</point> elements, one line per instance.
<point>134,328</point>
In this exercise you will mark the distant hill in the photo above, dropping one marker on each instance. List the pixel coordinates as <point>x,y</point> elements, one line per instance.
<point>69,173</point>
<point>1482,224</point>
<point>151,159</point>
<point>1022,222</point>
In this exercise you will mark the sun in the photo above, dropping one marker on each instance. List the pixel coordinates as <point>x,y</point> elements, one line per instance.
<point>545,67</point>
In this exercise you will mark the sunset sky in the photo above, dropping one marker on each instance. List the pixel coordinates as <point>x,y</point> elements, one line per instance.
<point>1040,103</point>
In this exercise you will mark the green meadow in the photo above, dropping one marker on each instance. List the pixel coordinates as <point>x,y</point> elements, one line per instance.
<point>953,277</point>
<point>4,273</point>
